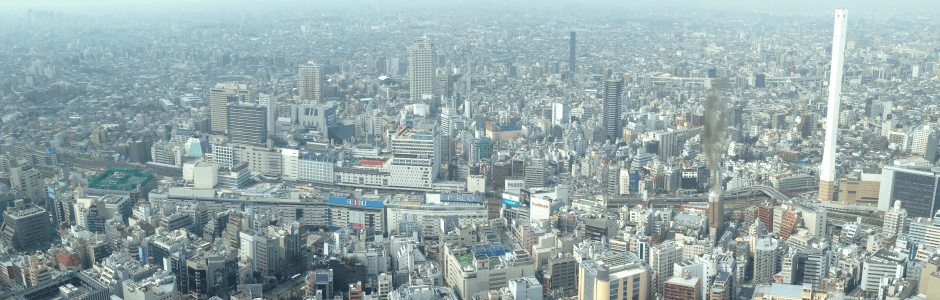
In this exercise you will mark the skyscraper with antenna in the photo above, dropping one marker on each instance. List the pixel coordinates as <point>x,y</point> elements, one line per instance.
<point>827,172</point>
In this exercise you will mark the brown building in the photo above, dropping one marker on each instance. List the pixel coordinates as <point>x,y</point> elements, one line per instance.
<point>685,287</point>
<point>860,190</point>
<point>833,285</point>
<point>791,219</point>
<point>721,289</point>
<point>500,171</point>
<point>355,291</point>
<point>788,156</point>
<point>765,214</point>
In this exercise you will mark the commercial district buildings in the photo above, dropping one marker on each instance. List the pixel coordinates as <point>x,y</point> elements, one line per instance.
<point>398,151</point>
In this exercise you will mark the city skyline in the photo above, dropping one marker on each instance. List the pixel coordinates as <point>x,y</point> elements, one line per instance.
<point>422,150</point>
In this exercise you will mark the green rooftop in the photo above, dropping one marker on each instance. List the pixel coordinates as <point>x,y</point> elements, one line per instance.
<point>464,259</point>
<point>122,179</point>
<point>585,202</point>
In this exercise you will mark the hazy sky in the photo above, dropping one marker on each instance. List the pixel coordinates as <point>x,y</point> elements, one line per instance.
<point>929,8</point>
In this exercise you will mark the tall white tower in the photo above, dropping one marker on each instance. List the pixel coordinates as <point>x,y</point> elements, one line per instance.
<point>827,172</point>
<point>421,56</point>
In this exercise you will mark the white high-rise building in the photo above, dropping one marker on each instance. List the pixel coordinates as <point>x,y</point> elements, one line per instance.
<point>421,56</point>
<point>925,142</point>
<point>290,162</point>
<point>788,266</point>
<point>417,156</point>
<point>814,219</point>
<point>311,82</point>
<point>883,264</point>
<point>894,219</point>
<point>827,177</point>
<point>559,113</point>
<point>265,100</point>
<point>663,258</point>
<point>624,181</point>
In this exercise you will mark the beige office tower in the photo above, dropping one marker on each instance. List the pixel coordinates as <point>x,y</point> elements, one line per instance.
<point>621,276</point>
<point>218,102</point>
<point>421,58</point>
<point>827,174</point>
<point>311,82</point>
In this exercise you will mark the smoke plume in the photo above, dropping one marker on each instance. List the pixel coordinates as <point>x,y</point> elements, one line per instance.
<point>714,128</point>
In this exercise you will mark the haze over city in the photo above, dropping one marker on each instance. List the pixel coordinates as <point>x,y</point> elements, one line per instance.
<point>438,150</point>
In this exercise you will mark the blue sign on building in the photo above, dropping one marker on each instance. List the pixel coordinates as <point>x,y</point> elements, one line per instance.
<point>511,200</point>
<point>354,202</point>
<point>143,254</point>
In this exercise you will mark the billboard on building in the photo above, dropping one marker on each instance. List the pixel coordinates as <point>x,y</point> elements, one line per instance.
<point>511,200</point>
<point>540,209</point>
<point>525,198</point>
<point>438,198</point>
<point>354,202</point>
<point>514,185</point>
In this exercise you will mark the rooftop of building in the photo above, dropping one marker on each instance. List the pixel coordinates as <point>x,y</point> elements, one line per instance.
<point>679,280</point>
<point>420,131</point>
<point>124,179</point>
<point>781,290</point>
<point>25,211</point>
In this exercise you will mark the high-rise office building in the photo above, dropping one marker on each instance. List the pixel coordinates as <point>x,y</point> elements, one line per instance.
<point>572,59</point>
<point>881,265</point>
<point>311,82</point>
<point>917,189</point>
<point>807,125</point>
<point>268,103</point>
<point>924,142</point>
<point>421,57</point>
<point>815,265</point>
<point>667,143</point>
<point>247,124</point>
<point>139,151</point>
<point>622,276</point>
<point>827,176</point>
<point>27,179</point>
<point>663,258</point>
<point>535,173</point>
<point>26,227</point>
<point>779,121</point>
<point>765,260</point>
<point>613,124</point>
<point>219,100</point>
<point>560,113</point>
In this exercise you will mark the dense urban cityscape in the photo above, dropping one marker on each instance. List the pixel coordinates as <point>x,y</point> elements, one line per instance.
<point>469,151</point>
